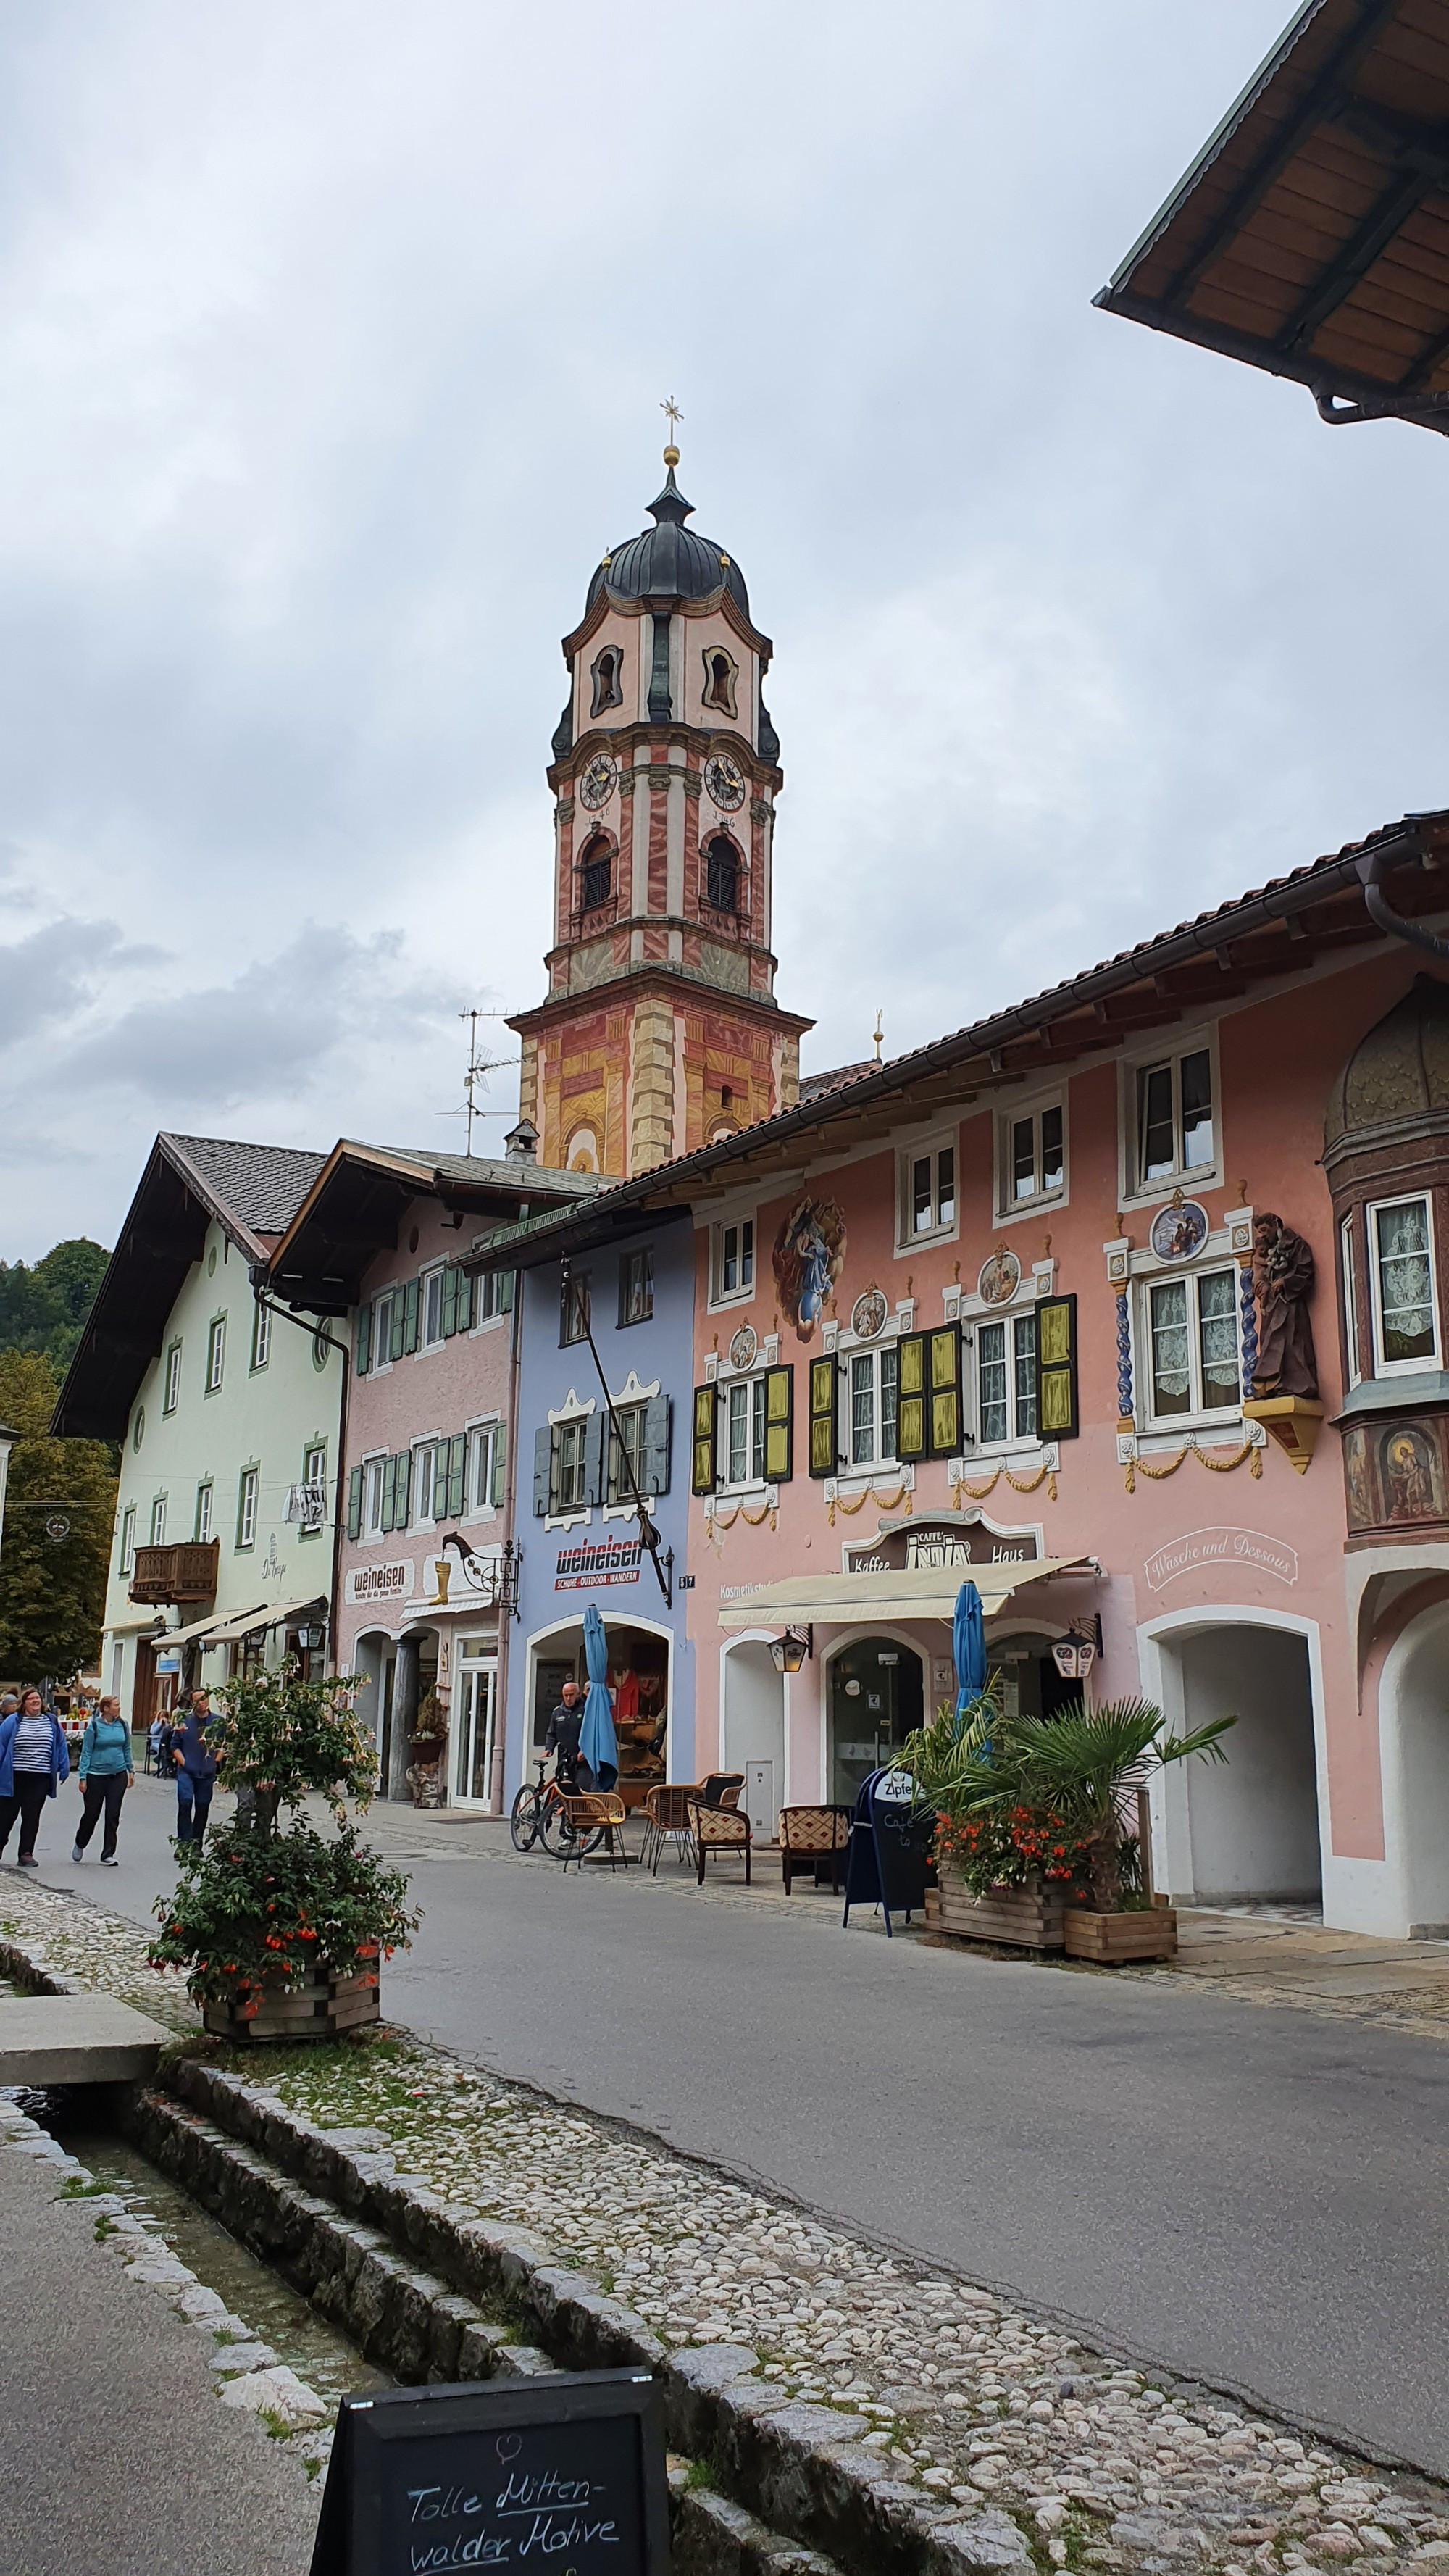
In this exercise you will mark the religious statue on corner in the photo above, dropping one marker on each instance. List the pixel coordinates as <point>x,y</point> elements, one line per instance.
<point>1282,1286</point>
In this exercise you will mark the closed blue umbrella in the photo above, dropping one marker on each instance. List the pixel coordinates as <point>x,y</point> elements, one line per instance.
<point>598,1744</point>
<point>968,1646</point>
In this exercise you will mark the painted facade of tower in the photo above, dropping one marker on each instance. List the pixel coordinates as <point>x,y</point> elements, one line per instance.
<point>660,1031</point>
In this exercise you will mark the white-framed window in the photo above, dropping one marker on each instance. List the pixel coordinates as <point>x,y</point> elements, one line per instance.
<point>1174,1133</point>
<point>314,1479</point>
<point>1006,1379</point>
<point>574,1308</point>
<point>374,1471</point>
<point>1401,1277</point>
<point>493,1295</point>
<point>927,1190</point>
<point>569,1479</point>
<point>732,1261</point>
<point>382,1314</point>
<point>744,1431</point>
<point>246,1510</point>
<point>485,1467</point>
<point>426,1481</point>
<point>172,1396</point>
<point>432,1308</point>
<point>1192,1344</point>
<point>626,1449</point>
<point>203,1512</point>
<point>874,1380</point>
<point>158,1521</point>
<point>636,1286</point>
<point>1350,1300</point>
<point>1032,1152</point>
<point>215,1354</point>
<point>261,1335</point>
<point>128,1539</point>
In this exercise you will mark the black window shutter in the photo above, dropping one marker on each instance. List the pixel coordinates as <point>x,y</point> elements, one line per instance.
<point>656,1445</point>
<point>824,1427</point>
<point>456,1453</point>
<point>912,1413</point>
<point>450,1302</point>
<point>598,1424</point>
<point>363,1361</point>
<point>702,1474</point>
<point>411,1299</point>
<point>945,1390</point>
<point>395,1345</point>
<point>402,1489</point>
<point>542,1469</point>
<point>354,1503</point>
<point>1056,1369</point>
<point>779,1425</point>
<point>389,1489</point>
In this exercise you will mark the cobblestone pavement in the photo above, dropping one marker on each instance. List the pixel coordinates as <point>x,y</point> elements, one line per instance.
<point>966,2396</point>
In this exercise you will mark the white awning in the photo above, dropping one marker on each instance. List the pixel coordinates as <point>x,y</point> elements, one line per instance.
<point>268,1614</point>
<point>134,1626</point>
<point>897,1592</point>
<point>197,1628</point>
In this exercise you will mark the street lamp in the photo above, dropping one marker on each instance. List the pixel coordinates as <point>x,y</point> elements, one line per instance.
<point>788,1653</point>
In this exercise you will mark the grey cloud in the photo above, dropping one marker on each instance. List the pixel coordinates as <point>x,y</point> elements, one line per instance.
<point>47,977</point>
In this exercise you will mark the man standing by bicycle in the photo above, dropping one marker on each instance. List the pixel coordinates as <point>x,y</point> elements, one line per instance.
<point>562,1740</point>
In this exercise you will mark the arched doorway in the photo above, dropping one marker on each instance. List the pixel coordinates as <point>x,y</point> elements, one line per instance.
<point>876,1699</point>
<point>1414,1700</point>
<point>1243,1831</point>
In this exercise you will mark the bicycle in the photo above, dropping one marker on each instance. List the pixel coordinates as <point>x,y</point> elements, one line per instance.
<point>540,1814</point>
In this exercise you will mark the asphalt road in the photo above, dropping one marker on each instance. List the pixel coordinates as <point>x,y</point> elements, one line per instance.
<point>1247,2195</point>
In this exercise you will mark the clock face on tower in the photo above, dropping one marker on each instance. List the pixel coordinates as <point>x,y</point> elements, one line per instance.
<point>725,781</point>
<point>598,781</point>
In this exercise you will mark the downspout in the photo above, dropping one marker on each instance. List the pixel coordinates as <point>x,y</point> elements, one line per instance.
<point>1372,869</point>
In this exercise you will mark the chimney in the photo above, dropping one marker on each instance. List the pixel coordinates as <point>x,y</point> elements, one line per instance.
<point>521,1142</point>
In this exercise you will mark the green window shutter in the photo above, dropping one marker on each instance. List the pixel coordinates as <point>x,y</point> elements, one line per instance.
<point>354,1503</point>
<point>503,1293</point>
<point>500,1455</point>
<point>467,1301</point>
<point>824,1428</point>
<point>655,1479</point>
<point>1056,1369</point>
<point>703,1476</point>
<point>542,1469</point>
<point>395,1344</point>
<point>779,1425</point>
<point>944,1374</point>
<point>363,1361</point>
<point>457,1456</point>
<point>411,1301</point>
<point>912,1414</point>
<point>450,1302</point>
<point>402,1488</point>
<point>389,1489</point>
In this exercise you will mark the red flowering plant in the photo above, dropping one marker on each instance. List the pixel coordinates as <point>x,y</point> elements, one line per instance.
<point>259,1906</point>
<point>1012,1849</point>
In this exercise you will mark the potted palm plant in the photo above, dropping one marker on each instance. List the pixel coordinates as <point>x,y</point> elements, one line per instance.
<point>281,1933</point>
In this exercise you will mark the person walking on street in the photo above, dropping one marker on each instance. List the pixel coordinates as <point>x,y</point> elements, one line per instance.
<point>106,1773</point>
<point>156,1743</point>
<point>33,1762</point>
<point>195,1769</point>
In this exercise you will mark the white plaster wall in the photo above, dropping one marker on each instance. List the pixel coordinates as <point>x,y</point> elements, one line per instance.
<point>1414,1738</point>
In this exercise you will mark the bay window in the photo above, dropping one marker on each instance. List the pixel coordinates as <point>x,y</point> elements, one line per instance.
<point>1401,1276</point>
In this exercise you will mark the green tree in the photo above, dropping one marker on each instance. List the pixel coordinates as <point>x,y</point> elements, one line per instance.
<point>44,1306</point>
<point>52,1591</point>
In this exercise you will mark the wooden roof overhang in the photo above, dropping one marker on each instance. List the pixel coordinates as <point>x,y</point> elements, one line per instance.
<point>355,1206</point>
<point>1284,929</point>
<point>1311,234</point>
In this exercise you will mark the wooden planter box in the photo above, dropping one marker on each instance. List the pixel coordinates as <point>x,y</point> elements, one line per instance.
<point>1026,1918</point>
<point>321,2009</point>
<point>1109,1939</point>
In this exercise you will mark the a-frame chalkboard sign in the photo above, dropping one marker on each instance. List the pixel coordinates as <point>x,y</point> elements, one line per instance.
<point>564,2473</point>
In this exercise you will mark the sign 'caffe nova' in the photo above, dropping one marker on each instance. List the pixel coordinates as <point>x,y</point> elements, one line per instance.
<point>953,1538</point>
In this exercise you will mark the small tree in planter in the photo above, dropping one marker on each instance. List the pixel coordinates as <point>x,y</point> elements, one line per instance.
<point>1005,1873</point>
<point>281,1932</point>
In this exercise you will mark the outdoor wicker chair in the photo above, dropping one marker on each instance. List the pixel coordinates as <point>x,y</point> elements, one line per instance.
<point>587,1811</point>
<point>810,1834</point>
<point>720,1788</point>
<point>666,1820</point>
<point>719,1829</point>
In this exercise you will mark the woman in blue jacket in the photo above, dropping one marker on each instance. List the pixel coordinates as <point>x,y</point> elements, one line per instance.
<point>106,1773</point>
<point>33,1762</point>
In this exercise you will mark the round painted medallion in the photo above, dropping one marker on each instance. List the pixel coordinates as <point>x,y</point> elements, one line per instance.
<point>743,1347</point>
<point>868,1314</point>
<point>1176,1233</point>
<point>998,1279</point>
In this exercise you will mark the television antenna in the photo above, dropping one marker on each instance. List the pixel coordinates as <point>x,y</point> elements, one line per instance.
<point>479,1068</point>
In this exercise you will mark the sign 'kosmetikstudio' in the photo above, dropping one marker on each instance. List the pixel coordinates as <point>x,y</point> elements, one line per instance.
<point>597,1563</point>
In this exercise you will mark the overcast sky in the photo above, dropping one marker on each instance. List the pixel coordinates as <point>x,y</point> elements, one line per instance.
<point>333,337</point>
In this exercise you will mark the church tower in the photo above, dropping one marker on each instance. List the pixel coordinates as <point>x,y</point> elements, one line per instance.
<point>660,1030</point>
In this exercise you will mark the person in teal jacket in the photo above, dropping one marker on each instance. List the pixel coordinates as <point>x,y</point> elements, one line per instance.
<point>33,1761</point>
<point>106,1773</point>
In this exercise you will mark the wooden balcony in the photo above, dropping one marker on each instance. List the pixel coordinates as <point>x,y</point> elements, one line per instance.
<point>182,1573</point>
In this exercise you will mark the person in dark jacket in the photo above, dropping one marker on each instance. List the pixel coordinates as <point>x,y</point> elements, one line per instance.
<point>195,1769</point>
<point>107,1770</point>
<point>562,1740</point>
<point>33,1762</point>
